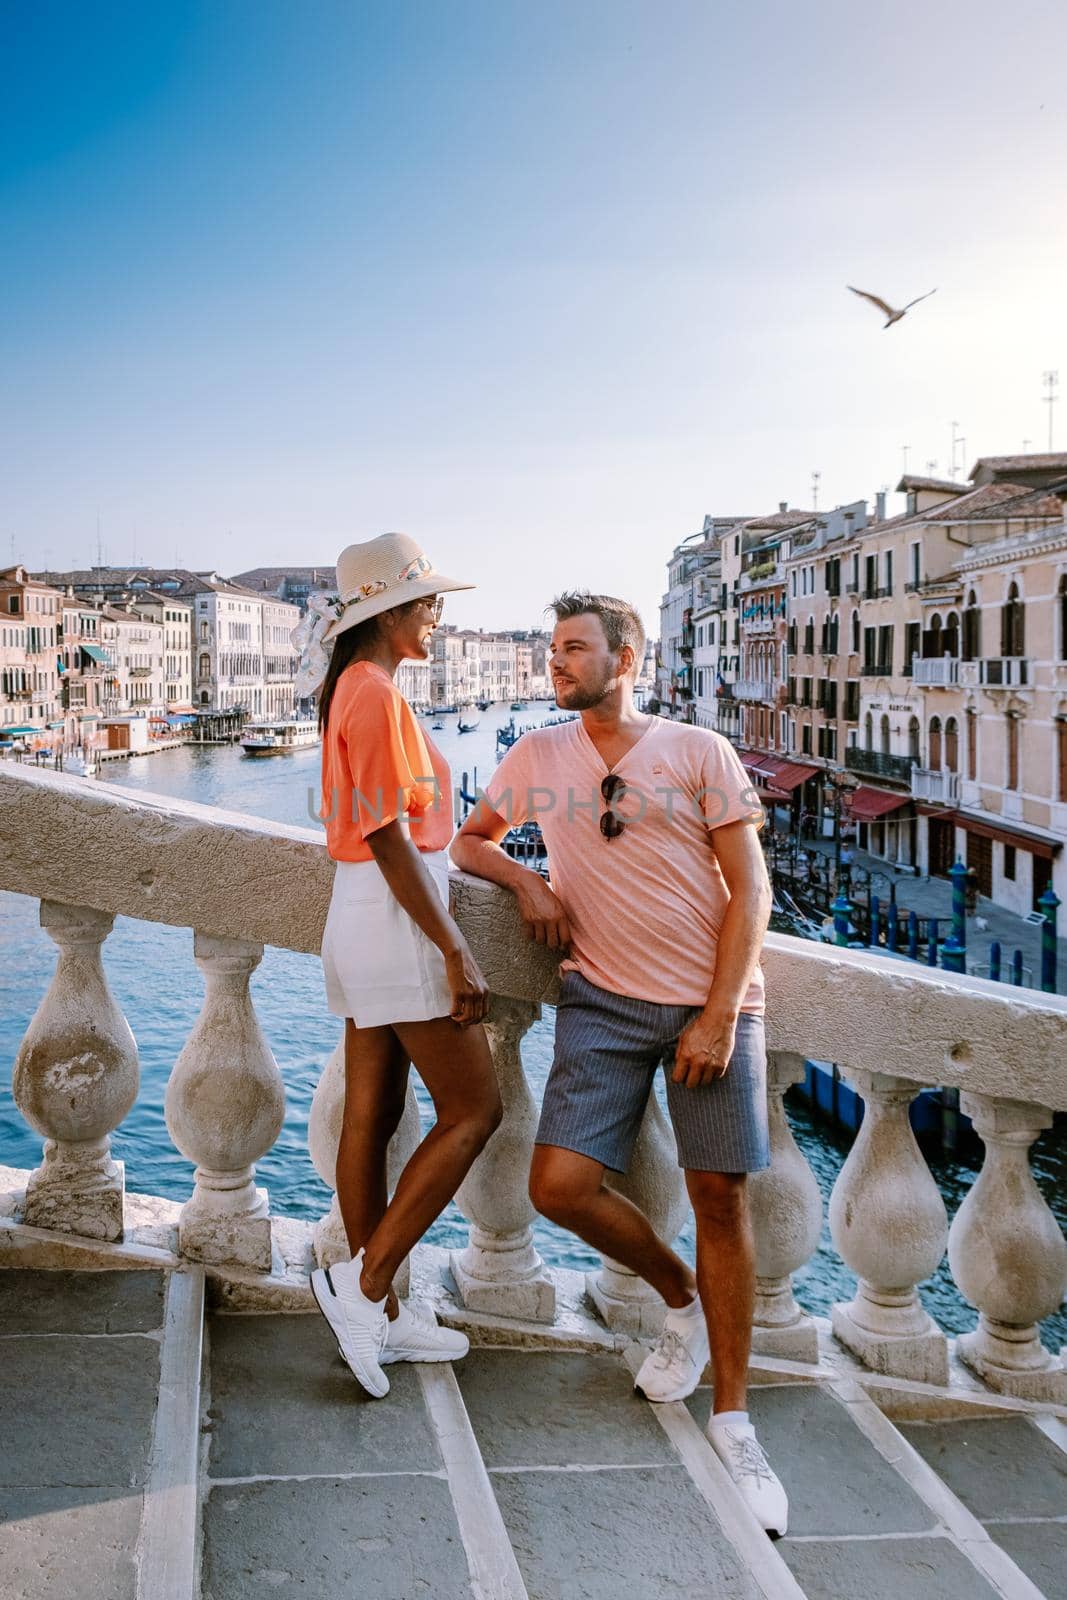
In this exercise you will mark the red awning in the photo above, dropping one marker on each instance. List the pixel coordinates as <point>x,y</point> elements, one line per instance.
<point>760,761</point>
<point>774,796</point>
<point>868,804</point>
<point>792,773</point>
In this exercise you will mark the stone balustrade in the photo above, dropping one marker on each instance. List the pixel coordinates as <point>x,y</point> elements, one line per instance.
<point>88,854</point>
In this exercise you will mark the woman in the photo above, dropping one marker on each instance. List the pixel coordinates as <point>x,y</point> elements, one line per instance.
<point>397,967</point>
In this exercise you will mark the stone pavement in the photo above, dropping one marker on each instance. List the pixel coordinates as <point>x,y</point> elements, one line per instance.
<point>932,897</point>
<point>521,1475</point>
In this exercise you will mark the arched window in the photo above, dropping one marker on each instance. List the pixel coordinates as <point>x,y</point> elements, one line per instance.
<point>885,733</point>
<point>204,668</point>
<point>952,757</point>
<point>1061,606</point>
<point>972,745</point>
<point>832,634</point>
<point>1061,759</point>
<point>935,744</point>
<point>203,697</point>
<point>809,637</point>
<point>972,628</point>
<point>855,644</point>
<point>1013,624</point>
<point>868,732</point>
<point>932,647</point>
<point>914,732</point>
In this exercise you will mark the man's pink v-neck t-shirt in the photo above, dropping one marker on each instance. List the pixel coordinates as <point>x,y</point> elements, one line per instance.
<point>645,908</point>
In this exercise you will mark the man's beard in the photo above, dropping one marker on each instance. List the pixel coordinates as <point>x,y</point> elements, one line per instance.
<point>584,699</point>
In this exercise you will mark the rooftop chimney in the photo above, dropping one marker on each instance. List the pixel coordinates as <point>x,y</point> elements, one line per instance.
<point>879,506</point>
<point>783,505</point>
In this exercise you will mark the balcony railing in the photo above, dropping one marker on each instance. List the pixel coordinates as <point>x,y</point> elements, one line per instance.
<point>879,764</point>
<point>1003,1048</point>
<point>937,672</point>
<point>996,672</point>
<point>940,786</point>
<point>755,688</point>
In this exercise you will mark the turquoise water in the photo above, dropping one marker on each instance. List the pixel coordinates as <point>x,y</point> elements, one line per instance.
<point>155,980</point>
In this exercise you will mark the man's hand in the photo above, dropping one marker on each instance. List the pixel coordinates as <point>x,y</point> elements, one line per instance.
<point>542,912</point>
<point>704,1049</point>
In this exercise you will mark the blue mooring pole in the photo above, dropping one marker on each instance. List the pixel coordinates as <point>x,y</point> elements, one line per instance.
<point>893,925</point>
<point>872,930</point>
<point>994,961</point>
<point>931,948</point>
<point>1048,903</point>
<point>913,935</point>
<point>954,949</point>
<point>1017,969</point>
<point>841,909</point>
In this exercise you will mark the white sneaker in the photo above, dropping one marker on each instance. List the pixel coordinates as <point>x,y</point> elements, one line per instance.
<point>415,1335</point>
<point>741,1453</point>
<point>359,1324</point>
<point>675,1367</point>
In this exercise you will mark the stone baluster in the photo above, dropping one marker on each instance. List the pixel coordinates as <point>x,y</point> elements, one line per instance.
<point>888,1223</point>
<point>655,1184</point>
<point>324,1135</point>
<point>225,1105</point>
<point>787,1219</point>
<point>1008,1256</point>
<point>500,1270</point>
<point>76,1076</point>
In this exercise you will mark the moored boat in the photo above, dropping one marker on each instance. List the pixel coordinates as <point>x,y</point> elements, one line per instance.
<point>279,738</point>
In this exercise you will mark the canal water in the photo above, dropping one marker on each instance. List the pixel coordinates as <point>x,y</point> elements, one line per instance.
<point>155,980</point>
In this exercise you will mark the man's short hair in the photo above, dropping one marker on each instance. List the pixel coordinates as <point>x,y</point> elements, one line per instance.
<point>619,619</point>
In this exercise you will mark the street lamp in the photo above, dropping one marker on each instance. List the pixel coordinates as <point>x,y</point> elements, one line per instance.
<point>842,783</point>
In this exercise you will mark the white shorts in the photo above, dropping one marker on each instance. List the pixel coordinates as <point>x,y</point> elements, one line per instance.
<point>378,964</point>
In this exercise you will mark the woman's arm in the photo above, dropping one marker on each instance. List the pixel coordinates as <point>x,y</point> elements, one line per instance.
<point>402,868</point>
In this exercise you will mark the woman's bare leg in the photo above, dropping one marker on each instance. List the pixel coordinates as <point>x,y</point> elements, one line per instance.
<point>376,1079</point>
<point>457,1068</point>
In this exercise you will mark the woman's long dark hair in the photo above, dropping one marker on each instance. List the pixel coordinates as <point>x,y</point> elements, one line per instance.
<point>344,652</point>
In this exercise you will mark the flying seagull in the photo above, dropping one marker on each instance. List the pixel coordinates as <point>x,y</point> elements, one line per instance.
<point>894,316</point>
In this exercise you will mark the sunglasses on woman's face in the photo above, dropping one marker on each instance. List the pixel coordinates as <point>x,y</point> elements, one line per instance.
<point>612,825</point>
<point>435,605</point>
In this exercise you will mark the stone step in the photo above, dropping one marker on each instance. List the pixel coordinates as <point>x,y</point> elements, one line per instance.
<point>159,1457</point>
<point>1012,1476</point>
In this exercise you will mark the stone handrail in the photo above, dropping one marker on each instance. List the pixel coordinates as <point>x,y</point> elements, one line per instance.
<point>88,854</point>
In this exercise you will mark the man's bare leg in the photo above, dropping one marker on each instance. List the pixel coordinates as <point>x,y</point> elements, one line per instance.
<point>726,1275</point>
<point>569,1190</point>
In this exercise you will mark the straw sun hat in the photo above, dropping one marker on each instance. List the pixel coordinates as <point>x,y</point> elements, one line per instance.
<point>383,573</point>
<point>371,578</point>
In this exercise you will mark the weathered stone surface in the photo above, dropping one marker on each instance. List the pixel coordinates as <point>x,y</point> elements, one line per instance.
<point>364,1539</point>
<point>836,1481</point>
<point>85,1408</point>
<point>862,1569</point>
<point>999,1466</point>
<point>61,838</point>
<point>283,1401</point>
<point>646,1534</point>
<point>58,1544</point>
<point>558,1409</point>
<point>1038,1548</point>
<point>80,1302</point>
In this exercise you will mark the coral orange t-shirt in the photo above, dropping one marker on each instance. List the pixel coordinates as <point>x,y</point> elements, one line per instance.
<point>645,909</point>
<point>378,765</point>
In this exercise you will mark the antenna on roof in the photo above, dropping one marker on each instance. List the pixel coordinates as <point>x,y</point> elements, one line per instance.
<point>99,546</point>
<point>904,449</point>
<point>815,490</point>
<point>952,468</point>
<point>1051,381</point>
<point>931,468</point>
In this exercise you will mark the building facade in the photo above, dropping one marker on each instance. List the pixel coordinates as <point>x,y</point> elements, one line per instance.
<point>30,623</point>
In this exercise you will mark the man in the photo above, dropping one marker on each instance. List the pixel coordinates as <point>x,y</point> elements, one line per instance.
<point>660,894</point>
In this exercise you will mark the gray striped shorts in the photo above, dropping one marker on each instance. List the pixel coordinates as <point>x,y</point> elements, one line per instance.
<point>608,1049</point>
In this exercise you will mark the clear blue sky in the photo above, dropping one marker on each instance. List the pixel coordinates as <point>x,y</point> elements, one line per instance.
<point>540,284</point>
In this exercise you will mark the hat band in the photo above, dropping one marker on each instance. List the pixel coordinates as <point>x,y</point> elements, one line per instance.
<point>419,568</point>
